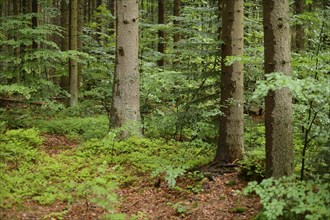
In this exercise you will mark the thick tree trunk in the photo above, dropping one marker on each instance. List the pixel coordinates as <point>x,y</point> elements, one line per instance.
<point>73,66</point>
<point>230,145</point>
<point>125,109</point>
<point>161,33</point>
<point>278,109</point>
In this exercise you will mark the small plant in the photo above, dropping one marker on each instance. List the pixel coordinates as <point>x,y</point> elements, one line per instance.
<point>180,209</point>
<point>238,209</point>
<point>171,173</point>
<point>287,198</point>
<point>231,182</point>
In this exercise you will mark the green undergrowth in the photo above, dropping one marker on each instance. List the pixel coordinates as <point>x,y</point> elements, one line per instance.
<point>89,172</point>
<point>288,198</point>
<point>85,128</point>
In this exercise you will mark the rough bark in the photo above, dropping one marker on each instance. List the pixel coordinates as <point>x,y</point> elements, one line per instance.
<point>161,33</point>
<point>73,66</point>
<point>278,104</point>
<point>230,145</point>
<point>125,108</point>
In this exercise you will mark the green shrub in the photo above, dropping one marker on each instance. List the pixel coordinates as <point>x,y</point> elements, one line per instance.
<point>287,198</point>
<point>253,166</point>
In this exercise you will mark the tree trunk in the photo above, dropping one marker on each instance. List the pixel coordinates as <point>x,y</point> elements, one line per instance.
<point>177,35</point>
<point>125,108</point>
<point>161,33</point>
<point>65,41</point>
<point>34,8</point>
<point>300,42</point>
<point>112,8</point>
<point>16,7</point>
<point>278,103</point>
<point>73,67</point>
<point>230,145</point>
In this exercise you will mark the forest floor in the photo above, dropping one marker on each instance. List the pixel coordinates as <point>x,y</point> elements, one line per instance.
<point>146,199</point>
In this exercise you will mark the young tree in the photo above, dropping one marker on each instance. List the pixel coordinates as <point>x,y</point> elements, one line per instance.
<point>125,108</point>
<point>73,65</point>
<point>278,103</point>
<point>230,145</point>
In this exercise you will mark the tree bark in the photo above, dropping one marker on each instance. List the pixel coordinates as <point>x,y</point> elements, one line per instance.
<point>300,41</point>
<point>278,103</point>
<point>161,33</point>
<point>125,108</point>
<point>177,35</point>
<point>65,84</point>
<point>34,7</point>
<point>230,143</point>
<point>73,66</point>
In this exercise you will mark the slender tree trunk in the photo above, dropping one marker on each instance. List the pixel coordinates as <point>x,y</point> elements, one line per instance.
<point>161,33</point>
<point>230,145</point>
<point>34,7</point>
<point>176,22</point>
<point>125,108</point>
<point>80,25</point>
<point>300,41</point>
<point>65,81</point>
<point>112,9</point>
<point>278,103</point>
<point>16,7</point>
<point>73,66</point>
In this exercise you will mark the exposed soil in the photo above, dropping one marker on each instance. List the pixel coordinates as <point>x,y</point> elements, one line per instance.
<point>55,143</point>
<point>216,200</point>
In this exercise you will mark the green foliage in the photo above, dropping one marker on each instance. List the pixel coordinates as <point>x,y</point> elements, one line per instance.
<point>98,73</point>
<point>16,118</point>
<point>171,173</point>
<point>88,172</point>
<point>311,106</point>
<point>180,209</point>
<point>157,156</point>
<point>16,89</point>
<point>238,210</point>
<point>253,166</point>
<point>19,146</point>
<point>87,128</point>
<point>28,173</point>
<point>184,107</point>
<point>287,198</point>
<point>98,191</point>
